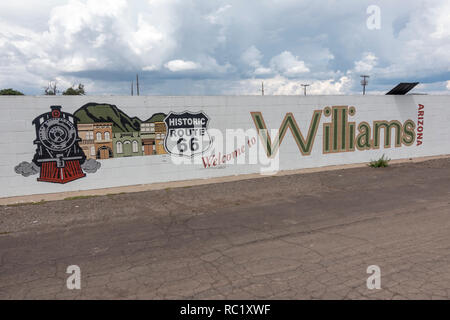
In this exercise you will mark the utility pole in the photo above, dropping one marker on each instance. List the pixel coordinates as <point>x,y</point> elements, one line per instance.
<point>132,87</point>
<point>137,84</point>
<point>304,87</point>
<point>364,83</point>
<point>262,88</point>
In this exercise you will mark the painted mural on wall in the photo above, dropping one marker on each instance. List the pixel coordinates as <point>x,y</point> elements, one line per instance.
<point>107,132</point>
<point>68,146</point>
<point>58,157</point>
<point>340,134</point>
<point>187,133</point>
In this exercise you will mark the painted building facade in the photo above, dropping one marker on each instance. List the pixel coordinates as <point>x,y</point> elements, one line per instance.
<point>127,144</point>
<point>160,134</point>
<point>86,134</point>
<point>103,140</point>
<point>148,138</point>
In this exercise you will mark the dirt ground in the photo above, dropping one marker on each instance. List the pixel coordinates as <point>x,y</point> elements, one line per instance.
<point>301,236</point>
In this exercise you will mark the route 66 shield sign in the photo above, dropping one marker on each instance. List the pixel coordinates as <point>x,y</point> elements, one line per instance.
<point>187,133</point>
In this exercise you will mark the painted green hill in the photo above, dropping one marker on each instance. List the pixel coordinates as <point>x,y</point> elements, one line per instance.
<point>97,112</point>
<point>157,117</point>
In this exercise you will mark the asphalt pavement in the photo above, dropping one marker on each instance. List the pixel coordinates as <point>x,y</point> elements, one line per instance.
<point>304,236</point>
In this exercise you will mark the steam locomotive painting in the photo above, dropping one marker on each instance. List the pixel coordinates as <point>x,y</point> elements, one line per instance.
<point>58,154</point>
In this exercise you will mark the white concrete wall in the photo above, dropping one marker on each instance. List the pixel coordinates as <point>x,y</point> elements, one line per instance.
<point>225,112</point>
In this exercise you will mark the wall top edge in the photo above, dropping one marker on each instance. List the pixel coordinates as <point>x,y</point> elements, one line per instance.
<point>223,96</point>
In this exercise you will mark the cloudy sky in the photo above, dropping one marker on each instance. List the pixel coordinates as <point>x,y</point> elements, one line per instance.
<point>224,47</point>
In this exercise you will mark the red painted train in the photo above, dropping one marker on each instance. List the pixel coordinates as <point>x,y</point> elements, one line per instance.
<point>58,153</point>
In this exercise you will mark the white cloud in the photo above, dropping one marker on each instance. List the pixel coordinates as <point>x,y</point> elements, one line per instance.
<point>210,65</point>
<point>150,68</point>
<point>285,63</point>
<point>340,86</point>
<point>367,63</point>
<point>215,17</point>
<point>146,37</point>
<point>181,65</point>
<point>422,47</point>
<point>91,35</point>
<point>262,71</point>
<point>280,85</point>
<point>440,87</point>
<point>288,64</point>
<point>252,57</point>
<point>440,17</point>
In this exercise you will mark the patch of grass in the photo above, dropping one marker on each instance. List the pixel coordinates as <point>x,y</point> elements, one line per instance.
<point>20,204</point>
<point>380,163</point>
<point>39,202</point>
<point>115,194</point>
<point>79,197</point>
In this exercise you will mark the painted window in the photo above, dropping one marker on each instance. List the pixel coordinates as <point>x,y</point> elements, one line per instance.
<point>92,151</point>
<point>107,136</point>
<point>135,146</point>
<point>99,136</point>
<point>119,147</point>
